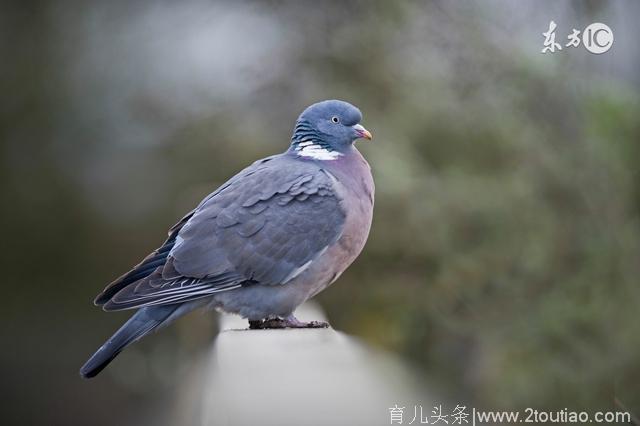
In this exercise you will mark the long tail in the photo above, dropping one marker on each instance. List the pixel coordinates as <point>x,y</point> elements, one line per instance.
<point>140,324</point>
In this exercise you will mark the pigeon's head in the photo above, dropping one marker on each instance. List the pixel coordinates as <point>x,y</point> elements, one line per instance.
<point>330,125</point>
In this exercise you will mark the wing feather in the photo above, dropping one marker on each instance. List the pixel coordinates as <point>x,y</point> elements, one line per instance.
<point>265,226</point>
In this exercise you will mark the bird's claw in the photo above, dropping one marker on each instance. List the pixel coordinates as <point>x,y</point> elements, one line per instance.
<point>288,322</point>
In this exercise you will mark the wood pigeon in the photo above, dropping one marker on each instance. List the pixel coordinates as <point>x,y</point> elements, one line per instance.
<point>273,236</point>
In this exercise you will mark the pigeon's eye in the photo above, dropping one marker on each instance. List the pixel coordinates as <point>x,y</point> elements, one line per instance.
<point>335,119</point>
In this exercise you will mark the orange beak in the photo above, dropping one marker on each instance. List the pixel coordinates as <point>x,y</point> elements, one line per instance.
<point>362,132</point>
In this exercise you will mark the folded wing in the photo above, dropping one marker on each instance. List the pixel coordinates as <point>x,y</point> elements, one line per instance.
<point>263,227</point>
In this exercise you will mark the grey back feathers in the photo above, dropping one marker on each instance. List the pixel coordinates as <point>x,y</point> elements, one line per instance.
<point>261,228</point>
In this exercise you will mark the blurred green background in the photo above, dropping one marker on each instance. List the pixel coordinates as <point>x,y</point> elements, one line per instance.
<point>504,258</point>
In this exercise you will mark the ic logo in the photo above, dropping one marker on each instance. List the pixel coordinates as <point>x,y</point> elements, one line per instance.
<point>597,38</point>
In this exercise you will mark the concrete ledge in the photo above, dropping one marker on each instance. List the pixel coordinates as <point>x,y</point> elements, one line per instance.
<point>300,377</point>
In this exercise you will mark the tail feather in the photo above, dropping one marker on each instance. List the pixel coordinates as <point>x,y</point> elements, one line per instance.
<point>140,324</point>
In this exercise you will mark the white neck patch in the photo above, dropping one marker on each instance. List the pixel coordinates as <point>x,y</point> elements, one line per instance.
<point>317,152</point>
